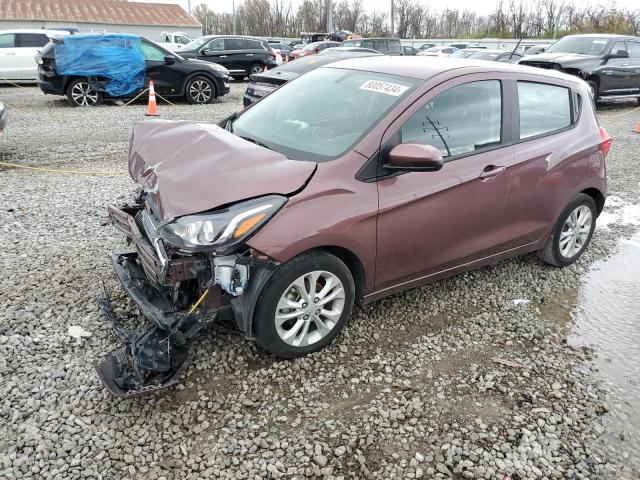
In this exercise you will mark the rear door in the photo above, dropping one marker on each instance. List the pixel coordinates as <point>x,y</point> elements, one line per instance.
<point>9,60</point>
<point>28,45</point>
<point>429,223</point>
<point>239,57</point>
<point>547,159</point>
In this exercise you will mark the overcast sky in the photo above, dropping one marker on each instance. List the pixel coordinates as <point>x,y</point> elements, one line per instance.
<point>483,6</point>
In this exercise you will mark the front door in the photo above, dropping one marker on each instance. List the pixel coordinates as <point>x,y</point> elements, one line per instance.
<point>28,45</point>
<point>431,222</point>
<point>165,76</point>
<point>617,72</point>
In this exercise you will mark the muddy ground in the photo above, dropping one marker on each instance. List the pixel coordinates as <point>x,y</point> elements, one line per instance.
<point>452,380</point>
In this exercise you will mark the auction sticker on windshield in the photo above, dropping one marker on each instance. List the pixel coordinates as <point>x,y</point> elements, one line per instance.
<point>384,87</point>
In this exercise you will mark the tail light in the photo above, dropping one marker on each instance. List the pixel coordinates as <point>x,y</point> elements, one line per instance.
<point>606,141</point>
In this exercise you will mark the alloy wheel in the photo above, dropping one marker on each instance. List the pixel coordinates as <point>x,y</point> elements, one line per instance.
<point>257,69</point>
<point>575,231</point>
<point>84,95</point>
<point>200,91</point>
<point>310,308</point>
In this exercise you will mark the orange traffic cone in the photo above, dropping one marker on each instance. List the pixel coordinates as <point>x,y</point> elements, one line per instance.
<point>637,129</point>
<point>152,108</point>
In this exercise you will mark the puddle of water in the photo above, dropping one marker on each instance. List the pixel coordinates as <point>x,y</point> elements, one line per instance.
<point>605,313</point>
<point>619,211</point>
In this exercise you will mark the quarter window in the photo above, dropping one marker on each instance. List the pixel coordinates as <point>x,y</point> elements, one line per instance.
<point>462,120</point>
<point>544,108</point>
<point>8,40</point>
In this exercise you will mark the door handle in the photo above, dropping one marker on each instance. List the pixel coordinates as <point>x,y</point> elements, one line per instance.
<point>490,172</point>
<point>10,53</point>
<point>223,56</point>
<point>249,54</point>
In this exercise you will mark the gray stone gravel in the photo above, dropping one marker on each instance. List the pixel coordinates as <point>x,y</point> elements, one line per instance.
<point>410,390</point>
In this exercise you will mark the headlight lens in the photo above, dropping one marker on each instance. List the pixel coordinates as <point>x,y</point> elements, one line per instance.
<point>219,68</point>
<point>222,229</point>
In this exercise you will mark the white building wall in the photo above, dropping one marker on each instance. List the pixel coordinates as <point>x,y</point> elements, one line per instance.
<point>152,32</point>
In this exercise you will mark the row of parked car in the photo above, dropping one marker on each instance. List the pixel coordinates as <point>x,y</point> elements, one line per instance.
<point>200,72</point>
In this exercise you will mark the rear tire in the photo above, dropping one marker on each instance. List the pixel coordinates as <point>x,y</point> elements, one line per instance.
<point>256,68</point>
<point>200,90</point>
<point>572,233</point>
<point>81,93</point>
<point>304,306</point>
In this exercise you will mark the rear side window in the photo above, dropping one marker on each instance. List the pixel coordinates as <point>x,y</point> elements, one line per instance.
<point>256,45</point>
<point>8,40</point>
<point>32,40</point>
<point>235,44</point>
<point>544,108</point>
<point>395,46</point>
<point>380,45</point>
<point>461,120</point>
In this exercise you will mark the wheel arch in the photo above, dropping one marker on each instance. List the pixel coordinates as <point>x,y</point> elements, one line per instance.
<point>598,198</point>
<point>199,73</point>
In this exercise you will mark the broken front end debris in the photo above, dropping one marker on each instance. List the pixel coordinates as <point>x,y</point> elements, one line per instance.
<point>180,293</point>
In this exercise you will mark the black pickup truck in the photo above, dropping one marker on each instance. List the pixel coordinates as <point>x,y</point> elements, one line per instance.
<point>610,64</point>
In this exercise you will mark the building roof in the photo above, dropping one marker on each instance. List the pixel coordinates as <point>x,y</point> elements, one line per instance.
<point>97,11</point>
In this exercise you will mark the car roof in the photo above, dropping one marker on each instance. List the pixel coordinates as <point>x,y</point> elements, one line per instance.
<point>425,68</point>
<point>34,30</point>
<point>601,35</point>
<point>372,38</point>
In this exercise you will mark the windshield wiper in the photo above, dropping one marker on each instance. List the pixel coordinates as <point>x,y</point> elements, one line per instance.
<point>257,142</point>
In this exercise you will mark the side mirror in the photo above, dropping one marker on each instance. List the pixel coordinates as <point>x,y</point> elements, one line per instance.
<point>414,157</point>
<point>619,54</point>
<point>169,60</point>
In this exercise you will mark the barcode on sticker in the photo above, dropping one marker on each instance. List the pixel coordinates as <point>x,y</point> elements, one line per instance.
<point>384,87</point>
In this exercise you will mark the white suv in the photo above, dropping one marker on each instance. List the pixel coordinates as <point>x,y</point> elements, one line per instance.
<point>17,52</point>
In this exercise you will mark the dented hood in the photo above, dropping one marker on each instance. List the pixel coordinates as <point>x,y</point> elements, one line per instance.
<point>190,167</point>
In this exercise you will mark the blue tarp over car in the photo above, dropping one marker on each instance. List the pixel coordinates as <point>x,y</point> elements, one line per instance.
<point>117,57</point>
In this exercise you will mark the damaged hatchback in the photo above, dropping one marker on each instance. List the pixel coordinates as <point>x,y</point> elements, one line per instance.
<point>352,182</point>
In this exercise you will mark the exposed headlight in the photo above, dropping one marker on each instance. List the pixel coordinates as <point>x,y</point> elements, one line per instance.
<point>219,68</point>
<point>222,229</point>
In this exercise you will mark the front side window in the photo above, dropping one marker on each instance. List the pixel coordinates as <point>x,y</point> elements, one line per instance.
<point>544,108</point>
<point>31,40</point>
<point>459,121</point>
<point>216,45</point>
<point>395,46</point>
<point>151,53</point>
<point>197,43</point>
<point>617,47</point>
<point>181,39</point>
<point>8,40</point>
<point>380,45</point>
<point>367,44</point>
<point>320,115</point>
<point>634,49</point>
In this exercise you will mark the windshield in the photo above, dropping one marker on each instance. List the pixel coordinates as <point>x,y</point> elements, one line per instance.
<point>322,114</point>
<point>311,46</point>
<point>485,55</point>
<point>197,43</point>
<point>583,45</point>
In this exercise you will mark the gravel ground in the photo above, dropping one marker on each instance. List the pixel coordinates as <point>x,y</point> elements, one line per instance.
<point>420,385</point>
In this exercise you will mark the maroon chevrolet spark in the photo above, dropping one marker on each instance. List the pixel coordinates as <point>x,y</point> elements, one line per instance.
<point>357,180</point>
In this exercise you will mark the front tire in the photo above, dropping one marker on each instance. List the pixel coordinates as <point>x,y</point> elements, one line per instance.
<point>200,90</point>
<point>305,305</point>
<point>81,93</point>
<point>572,233</point>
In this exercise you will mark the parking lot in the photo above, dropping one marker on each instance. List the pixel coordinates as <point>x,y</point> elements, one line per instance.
<point>452,380</point>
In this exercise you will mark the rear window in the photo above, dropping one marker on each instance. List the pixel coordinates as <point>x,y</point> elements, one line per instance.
<point>544,108</point>
<point>31,40</point>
